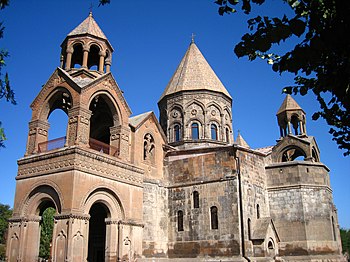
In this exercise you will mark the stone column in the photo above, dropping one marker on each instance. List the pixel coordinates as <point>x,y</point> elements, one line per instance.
<point>38,132</point>
<point>30,238</point>
<point>102,55</point>
<point>120,140</point>
<point>85,56</point>
<point>108,63</point>
<point>70,237</point>
<point>69,52</point>
<point>112,241</point>
<point>289,128</point>
<point>78,130</point>
<point>14,240</point>
<point>222,128</point>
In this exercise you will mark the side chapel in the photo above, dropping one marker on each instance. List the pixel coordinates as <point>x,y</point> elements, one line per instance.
<point>130,188</point>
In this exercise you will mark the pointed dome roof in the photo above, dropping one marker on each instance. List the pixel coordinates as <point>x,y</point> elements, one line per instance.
<point>88,26</point>
<point>240,141</point>
<point>289,104</point>
<point>194,73</point>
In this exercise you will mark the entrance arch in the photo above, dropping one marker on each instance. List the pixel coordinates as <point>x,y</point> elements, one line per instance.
<point>106,211</point>
<point>97,232</point>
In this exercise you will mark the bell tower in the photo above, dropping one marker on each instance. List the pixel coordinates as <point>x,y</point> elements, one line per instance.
<point>87,176</point>
<point>298,185</point>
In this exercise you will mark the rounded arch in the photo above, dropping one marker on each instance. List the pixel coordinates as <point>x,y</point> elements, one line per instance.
<point>315,155</point>
<point>173,112</point>
<point>193,120</point>
<point>291,153</point>
<point>111,102</point>
<point>176,131</point>
<point>94,55</point>
<point>77,56</point>
<point>59,98</point>
<point>108,198</point>
<point>214,130</point>
<point>228,133</point>
<point>40,197</point>
<point>104,115</point>
<point>295,122</point>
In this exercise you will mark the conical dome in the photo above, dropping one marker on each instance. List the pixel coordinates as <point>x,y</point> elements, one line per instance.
<point>88,26</point>
<point>194,73</point>
<point>289,104</point>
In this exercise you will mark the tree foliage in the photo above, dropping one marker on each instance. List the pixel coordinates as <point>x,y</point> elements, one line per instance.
<point>345,240</point>
<point>5,89</point>
<point>320,60</point>
<point>47,223</point>
<point>5,214</point>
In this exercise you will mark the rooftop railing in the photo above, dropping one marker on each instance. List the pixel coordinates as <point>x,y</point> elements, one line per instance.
<point>93,143</point>
<point>51,144</point>
<point>103,147</point>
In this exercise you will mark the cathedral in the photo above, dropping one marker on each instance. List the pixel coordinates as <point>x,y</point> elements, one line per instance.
<point>178,188</point>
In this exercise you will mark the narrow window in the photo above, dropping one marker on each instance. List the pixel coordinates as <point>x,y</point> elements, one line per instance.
<point>249,229</point>
<point>148,148</point>
<point>195,131</point>
<point>227,135</point>
<point>195,199</point>
<point>180,221</point>
<point>257,211</point>
<point>176,133</point>
<point>334,233</point>
<point>214,217</point>
<point>214,132</point>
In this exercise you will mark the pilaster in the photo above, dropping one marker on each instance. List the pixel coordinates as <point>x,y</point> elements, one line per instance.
<point>78,126</point>
<point>38,132</point>
<point>120,139</point>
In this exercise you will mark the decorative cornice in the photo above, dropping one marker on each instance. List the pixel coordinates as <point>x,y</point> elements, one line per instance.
<point>75,158</point>
<point>296,186</point>
<point>84,217</point>
<point>131,223</point>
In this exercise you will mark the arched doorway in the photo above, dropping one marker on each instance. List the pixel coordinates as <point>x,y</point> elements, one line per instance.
<point>97,232</point>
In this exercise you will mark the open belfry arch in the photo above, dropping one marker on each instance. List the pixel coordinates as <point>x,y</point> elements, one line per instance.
<point>132,188</point>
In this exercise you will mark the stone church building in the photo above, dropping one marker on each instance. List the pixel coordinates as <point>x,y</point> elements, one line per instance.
<point>135,188</point>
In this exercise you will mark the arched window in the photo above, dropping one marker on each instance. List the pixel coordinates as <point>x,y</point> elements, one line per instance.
<point>214,217</point>
<point>93,58</point>
<point>177,131</point>
<point>195,131</point>
<point>257,211</point>
<point>214,132</point>
<point>227,132</point>
<point>148,148</point>
<point>77,56</point>
<point>180,221</point>
<point>249,229</point>
<point>195,199</point>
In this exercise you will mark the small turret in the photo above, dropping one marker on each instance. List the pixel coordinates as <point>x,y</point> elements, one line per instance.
<point>86,47</point>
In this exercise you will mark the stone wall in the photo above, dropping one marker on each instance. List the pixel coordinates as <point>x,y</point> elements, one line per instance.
<point>212,174</point>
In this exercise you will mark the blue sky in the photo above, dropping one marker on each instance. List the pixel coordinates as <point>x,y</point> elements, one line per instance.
<point>149,39</point>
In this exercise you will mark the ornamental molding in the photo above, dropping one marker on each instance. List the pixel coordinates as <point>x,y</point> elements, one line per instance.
<point>75,158</point>
<point>85,217</point>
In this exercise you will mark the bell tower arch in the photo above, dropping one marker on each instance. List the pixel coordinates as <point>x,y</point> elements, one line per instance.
<point>299,187</point>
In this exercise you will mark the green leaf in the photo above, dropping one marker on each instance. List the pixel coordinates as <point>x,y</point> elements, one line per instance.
<point>297,27</point>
